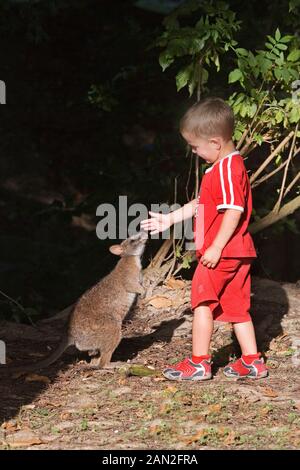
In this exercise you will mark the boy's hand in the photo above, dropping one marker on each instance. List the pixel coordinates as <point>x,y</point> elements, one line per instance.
<point>211,256</point>
<point>157,223</point>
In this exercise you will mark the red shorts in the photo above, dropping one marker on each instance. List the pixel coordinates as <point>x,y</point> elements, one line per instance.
<point>226,288</point>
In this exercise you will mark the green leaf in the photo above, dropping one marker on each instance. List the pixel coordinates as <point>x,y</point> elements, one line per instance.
<point>244,110</point>
<point>242,52</point>
<point>278,160</point>
<point>192,86</point>
<point>276,51</point>
<point>265,64</point>
<point>293,5</point>
<point>277,73</point>
<point>277,35</point>
<point>286,38</point>
<point>272,40</point>
<point>294,73</point>
<point>239,98</point>
<point>184,76</point>
<point>294,55</point>
<point>165,60</point>
<point>282,47</point>
<point>271,56</point>
<point>235,75</point>
<point>252,109</point>
<point>186,262</point>
<point>252,60</point>
<point>285,75</point>
<point>217,62</point>
<point>294,115</point>
<point>279,117</point>
<point>177,252</point>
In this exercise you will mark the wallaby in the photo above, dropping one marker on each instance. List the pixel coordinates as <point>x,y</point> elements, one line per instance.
<point>96,320</point>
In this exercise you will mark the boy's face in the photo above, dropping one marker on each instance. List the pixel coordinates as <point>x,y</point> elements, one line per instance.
<point>208,149</point>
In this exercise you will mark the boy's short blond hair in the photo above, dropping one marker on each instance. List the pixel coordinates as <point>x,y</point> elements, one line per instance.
<point>210,117</point>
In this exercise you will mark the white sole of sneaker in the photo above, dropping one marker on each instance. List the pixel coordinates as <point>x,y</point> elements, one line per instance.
<point>263,375</point>
<point>196,379</point>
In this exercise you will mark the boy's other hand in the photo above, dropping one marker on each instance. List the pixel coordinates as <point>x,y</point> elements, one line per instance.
<point>211,256</point>
<point>157,223</point>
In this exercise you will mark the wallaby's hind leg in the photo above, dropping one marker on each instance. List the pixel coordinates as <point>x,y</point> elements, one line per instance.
<point>93,352</point>
<point>106,351</point>
<point>101,361</point>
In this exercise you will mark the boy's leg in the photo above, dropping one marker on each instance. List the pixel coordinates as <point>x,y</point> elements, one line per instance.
<point>251,364</point>
<point>199,367</point>
<point>246,337</point>
<point>203,326</point>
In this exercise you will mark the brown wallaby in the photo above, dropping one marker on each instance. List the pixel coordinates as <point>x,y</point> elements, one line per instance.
<point>96,320</point>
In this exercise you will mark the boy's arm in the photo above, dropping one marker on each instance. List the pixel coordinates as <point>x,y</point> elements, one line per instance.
<point>229,224</point>
<point>160,222</point>
<point>183,213</point>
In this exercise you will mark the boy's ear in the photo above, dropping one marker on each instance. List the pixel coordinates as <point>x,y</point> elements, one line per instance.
<point>116,249</point>
<point>216,142</point>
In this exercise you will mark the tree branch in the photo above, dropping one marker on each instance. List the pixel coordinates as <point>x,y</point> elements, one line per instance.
<point>271,156</point>
<point>272,218</point>
<point>277,205</point>
<point>269,175</point>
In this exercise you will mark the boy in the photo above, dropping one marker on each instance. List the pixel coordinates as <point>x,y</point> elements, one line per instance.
<point>221,282</point>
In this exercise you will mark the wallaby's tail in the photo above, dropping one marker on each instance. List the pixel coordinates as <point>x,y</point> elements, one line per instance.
<point>64,343</point>
<point>62,315</point>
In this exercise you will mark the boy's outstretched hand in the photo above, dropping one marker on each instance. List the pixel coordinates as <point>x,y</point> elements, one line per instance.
<point>211,256</point>
<point>157,223</point>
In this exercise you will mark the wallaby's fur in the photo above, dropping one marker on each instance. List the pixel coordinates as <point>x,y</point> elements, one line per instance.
<point>96,320</point>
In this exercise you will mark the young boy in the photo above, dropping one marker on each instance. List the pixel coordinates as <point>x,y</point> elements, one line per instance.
<point>221,282</point>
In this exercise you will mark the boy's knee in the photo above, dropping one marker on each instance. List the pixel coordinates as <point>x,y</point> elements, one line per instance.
<point>203,307</point>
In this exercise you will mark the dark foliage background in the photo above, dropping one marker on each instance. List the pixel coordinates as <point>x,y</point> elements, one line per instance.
<point>62,155</point>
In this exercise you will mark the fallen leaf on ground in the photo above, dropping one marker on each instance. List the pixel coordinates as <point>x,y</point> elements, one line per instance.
<point>214,409</point>
<point>159,301</point>
<point>269,392</point>
<point>10,426</point>
<point>196,437</point>
<point>173,283</point>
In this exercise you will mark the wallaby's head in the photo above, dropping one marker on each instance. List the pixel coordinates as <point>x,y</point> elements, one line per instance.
<point>132,246</point>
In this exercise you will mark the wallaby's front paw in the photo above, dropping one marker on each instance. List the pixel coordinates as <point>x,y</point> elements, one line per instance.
<point>142,291</point>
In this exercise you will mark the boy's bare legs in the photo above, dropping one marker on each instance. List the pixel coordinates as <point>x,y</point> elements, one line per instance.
<point>203,326</point>
<point>198,367</point>
<point>251,364</point>
<point>246,337</point>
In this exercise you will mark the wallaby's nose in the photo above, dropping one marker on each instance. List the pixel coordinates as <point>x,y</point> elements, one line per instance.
<point>139,236</point>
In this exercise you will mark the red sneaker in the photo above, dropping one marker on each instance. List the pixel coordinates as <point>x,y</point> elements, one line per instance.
<point>256,369</point>
<point>188,370</point>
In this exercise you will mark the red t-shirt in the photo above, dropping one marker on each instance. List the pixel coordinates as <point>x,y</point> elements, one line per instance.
<point>225,185</point>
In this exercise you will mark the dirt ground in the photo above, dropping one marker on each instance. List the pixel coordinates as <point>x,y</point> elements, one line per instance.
<point>70,406</point>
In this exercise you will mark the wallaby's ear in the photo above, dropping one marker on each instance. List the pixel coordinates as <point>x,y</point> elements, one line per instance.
<point>116,249</point>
